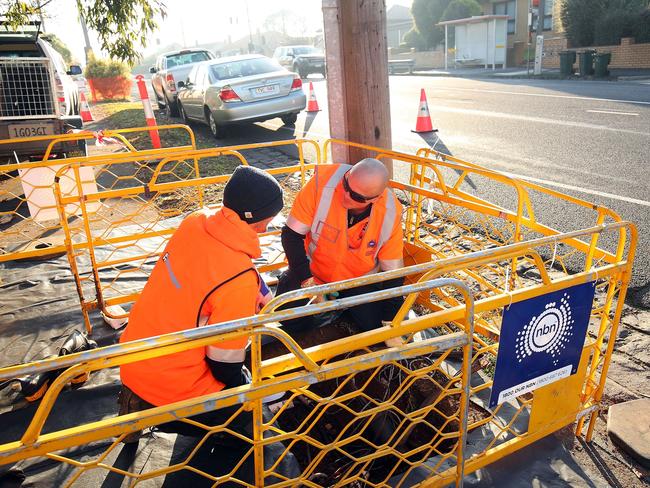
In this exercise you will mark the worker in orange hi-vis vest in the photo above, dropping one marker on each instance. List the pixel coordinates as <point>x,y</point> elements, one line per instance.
<point>205,275</point>
<point>345,223</point>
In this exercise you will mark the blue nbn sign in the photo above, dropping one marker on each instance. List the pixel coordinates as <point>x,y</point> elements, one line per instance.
<point>541,341</point>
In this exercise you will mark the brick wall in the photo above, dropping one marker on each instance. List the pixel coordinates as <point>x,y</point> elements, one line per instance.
<point>625,55</point>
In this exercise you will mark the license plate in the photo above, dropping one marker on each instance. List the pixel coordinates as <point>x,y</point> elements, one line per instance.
<point>260,91</point>
<point>30,130</point>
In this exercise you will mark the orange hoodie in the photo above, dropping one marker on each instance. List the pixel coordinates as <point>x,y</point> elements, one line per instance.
<point>208,251</point>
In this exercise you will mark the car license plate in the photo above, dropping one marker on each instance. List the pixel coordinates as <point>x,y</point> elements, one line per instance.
<point>30,130</point>
<point>261,91</point>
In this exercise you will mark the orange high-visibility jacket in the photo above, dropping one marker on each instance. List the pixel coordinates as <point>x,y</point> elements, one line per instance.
<point>335,251</point>
<point>210,249</point>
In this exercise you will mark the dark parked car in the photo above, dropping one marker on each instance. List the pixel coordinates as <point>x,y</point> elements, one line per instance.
<point>303,60</point>
<point>238,89</point>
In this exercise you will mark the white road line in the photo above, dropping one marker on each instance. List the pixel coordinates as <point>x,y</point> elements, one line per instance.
<point>611,112</point>
<point>542,120</point>
<point>413,148</point>
<point>547,95</point>
<point>579,189</point>
<point>406,148</point>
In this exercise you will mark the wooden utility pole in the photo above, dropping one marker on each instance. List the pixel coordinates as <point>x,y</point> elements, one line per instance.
<point>357,75</point>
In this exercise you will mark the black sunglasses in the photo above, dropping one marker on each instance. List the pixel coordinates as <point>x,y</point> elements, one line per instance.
<point>353,194</point>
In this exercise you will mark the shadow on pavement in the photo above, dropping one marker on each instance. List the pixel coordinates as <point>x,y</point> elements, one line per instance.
<point>433,141</point>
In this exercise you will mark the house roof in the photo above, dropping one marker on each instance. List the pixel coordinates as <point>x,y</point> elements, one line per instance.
<point>477,19</point>
<point>398,13</point>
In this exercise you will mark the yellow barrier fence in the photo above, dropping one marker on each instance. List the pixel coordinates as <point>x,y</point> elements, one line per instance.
<point>489,256</point>
<point>126,223</point>
<point>443,309</point>
<point>28,215</point>
<point>349,369</point>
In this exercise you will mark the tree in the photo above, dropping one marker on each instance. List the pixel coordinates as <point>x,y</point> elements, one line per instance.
<point>414,39</point>
<point>60,47</point>
<point>426,14</point>
<point>121,25</point>
<point>581,19</point>
<point>461,9</point>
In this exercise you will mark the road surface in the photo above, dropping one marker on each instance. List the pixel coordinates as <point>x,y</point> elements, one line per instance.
<point>587,139</point>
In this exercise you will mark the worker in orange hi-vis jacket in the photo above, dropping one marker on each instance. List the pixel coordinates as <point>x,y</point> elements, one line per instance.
<point>345,223</point>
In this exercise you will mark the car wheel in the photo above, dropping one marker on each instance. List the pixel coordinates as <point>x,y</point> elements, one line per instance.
<point>289,119</point>
<point>161,104</point>
<point>303,73</point>
<point>217,130</point>
<point>181,113</point>
<point>171,107</point>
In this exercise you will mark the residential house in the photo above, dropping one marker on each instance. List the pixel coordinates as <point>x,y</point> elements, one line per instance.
<point>398,22</point>
<point>518,24</point>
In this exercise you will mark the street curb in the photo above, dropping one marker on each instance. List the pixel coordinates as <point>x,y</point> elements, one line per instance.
<point>633,78</point>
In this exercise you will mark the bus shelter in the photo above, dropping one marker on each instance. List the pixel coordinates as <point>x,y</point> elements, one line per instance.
<point>478,40</point>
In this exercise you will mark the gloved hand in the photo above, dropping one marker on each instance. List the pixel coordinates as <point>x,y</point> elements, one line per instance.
<point>264,296</point>
<point>319,298</point>
<point>309,282</point>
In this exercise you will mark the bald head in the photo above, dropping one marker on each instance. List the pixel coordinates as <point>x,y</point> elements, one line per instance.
<point>369,177</point>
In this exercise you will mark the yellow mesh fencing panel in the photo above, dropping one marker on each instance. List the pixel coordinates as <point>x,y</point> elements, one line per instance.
<point>467,259</point>
<point>28,214</point>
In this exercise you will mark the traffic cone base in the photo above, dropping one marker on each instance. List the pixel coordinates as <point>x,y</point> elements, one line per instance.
<point>423,123</point>
<point>86,115</point>
<point>312,104</point>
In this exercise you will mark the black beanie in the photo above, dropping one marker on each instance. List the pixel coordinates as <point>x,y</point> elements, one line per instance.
<point>253,194</point>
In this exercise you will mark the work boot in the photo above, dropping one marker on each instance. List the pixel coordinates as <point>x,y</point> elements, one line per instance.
<point>77,342</point>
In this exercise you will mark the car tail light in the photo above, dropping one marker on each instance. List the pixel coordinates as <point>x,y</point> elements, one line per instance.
<point>297,84</point>
<point>171,82</point>
<point>227,94</point>
<point>60,94</point>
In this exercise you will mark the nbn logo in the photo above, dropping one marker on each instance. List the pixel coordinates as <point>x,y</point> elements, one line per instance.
<point>546,333</point>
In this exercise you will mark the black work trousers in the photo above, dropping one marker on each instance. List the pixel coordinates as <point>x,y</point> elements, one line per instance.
<point>367,316</point>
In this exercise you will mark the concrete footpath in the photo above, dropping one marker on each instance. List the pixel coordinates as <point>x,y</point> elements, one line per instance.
<point>636,75</point>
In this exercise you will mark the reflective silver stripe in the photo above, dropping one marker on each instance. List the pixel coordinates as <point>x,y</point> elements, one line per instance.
<point>226,355</point>
<point>295,225</point>
<point>325,202</point>
<point>389,221</point>
<point>391,264</point>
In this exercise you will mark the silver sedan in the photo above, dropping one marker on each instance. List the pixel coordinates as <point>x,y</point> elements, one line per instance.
<point>236,89</point>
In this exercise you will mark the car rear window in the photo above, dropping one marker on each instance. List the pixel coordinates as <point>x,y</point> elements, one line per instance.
<point>245,67</point>
<point>186,58</point>
<point>305,50</point>
<point>20,51</point>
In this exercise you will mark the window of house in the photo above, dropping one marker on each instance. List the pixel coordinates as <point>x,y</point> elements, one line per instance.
<point>506,8</point>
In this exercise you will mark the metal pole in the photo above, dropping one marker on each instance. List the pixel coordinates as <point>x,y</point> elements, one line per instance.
<point>87,49</point>
<point>446,48</point>
<point>540,18</point>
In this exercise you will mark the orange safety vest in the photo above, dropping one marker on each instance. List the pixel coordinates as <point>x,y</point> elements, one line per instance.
<point>209,249</point>
<point>337,252</point>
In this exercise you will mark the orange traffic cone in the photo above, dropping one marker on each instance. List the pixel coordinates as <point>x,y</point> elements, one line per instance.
<point>312,104</point>
<point>423,124</point>
<point>86,116</point>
